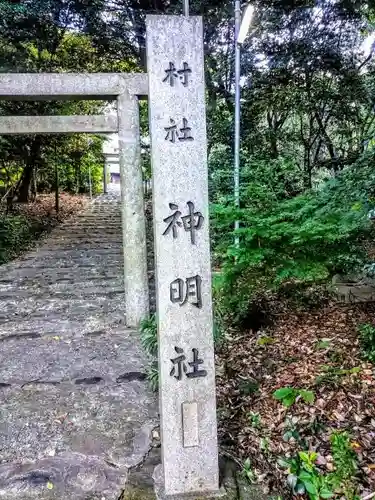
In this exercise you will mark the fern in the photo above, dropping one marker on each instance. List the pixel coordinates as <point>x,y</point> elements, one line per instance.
<point>149,337</point>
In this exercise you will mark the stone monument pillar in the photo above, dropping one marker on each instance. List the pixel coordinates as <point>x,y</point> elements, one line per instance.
<point>184,304</point>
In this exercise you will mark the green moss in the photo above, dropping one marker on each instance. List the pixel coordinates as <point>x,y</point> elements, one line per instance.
<point>133,493</point>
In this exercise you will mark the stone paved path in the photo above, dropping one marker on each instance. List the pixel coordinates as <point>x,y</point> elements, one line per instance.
<point>75,410</point>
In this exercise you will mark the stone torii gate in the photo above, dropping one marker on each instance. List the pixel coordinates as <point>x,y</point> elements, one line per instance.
<point>126,89</point>
<point>175,88</point>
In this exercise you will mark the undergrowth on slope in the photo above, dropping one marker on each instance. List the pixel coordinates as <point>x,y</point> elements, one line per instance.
<point>28,222</point>
<point>15,235</point>
<point>296,402</point>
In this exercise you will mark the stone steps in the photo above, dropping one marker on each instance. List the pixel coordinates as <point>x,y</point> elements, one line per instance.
<point>57,275</point>
<point>75,260</point>
<point>91,238</point>
<point>45,281</point>
<point>75,407</point>
<point>77,325</point>
<point>108,293</point>
<point>83,247</point>
<point>68,360</point>
<point>41,307</point>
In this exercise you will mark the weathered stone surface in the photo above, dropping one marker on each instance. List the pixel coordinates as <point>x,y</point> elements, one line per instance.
<point>355,288</point>
<point>232,486</point>
<point>52,359</point>
<point>71,85</point>
<point>179,163</point>
<point>71,475</point>
<point>140,485</point>
<point>133,215</point>
<point>32,308</point>
<point>109,421</point>
<point>75,409</point>
<point>13,125</point>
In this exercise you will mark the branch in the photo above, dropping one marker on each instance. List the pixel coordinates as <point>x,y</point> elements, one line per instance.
<point>327,139</point>
<point>368,58</point>
<point>368,497</point>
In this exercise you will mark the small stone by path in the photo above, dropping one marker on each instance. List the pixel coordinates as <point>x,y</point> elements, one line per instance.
<point>76,415</point>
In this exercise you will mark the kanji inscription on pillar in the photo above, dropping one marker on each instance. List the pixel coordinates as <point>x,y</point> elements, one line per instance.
<point>183,274</point>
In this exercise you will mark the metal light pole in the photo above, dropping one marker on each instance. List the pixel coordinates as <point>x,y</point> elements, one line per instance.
<point>186,8</point>
<point>237,113</point>
<point>240,33</point>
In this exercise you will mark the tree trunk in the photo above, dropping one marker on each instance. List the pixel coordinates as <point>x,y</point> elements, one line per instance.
<point>327,139</point>
<point>307,177</point>
<point>34,187</point>
<point>9,203</point>
<point>24,189</point>
<point>77,175</point>
<point>272,134</point>
<point>29,171</point>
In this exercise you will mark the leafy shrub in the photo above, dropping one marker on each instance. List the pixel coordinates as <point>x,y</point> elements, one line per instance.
<point>149,340</point>
<point>288,395</point>
<point>367,341</point>
<point>247,471</point>
<point>305,477</point>
<point>332,376</point>
<point>299,240</point>
<point>346,463</point>
<point>15,234</point>
<point>149,335</point>
<point>152,374</point>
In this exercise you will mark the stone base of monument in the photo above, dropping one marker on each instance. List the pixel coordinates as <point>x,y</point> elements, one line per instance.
<point>160,493</point>
<point>232,486</point>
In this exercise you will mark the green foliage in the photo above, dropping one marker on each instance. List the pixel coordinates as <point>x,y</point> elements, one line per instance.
<point>367,341</point>
<point>249,387</point>
<point>301,240</point>
<point>264,444</point>
<point>332,375</point>
<point>152,374</point>
<point>255,420</point>
<point>149,340</point>
<point>247,471</point>
<point>149,336</point>
<point>323,344</point>
<point>292,430</point>
<point>288,395</point>
<point>305,477</point>
<point>265,340</point>
<point>15,233</point>
<point>218,310</point>
<point>263,183</point>
<point>346,464</point>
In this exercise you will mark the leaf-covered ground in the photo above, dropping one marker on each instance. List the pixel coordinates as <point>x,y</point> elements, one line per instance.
<point>27,222</point>
<point>318,351</point>
<point>43,208</point>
